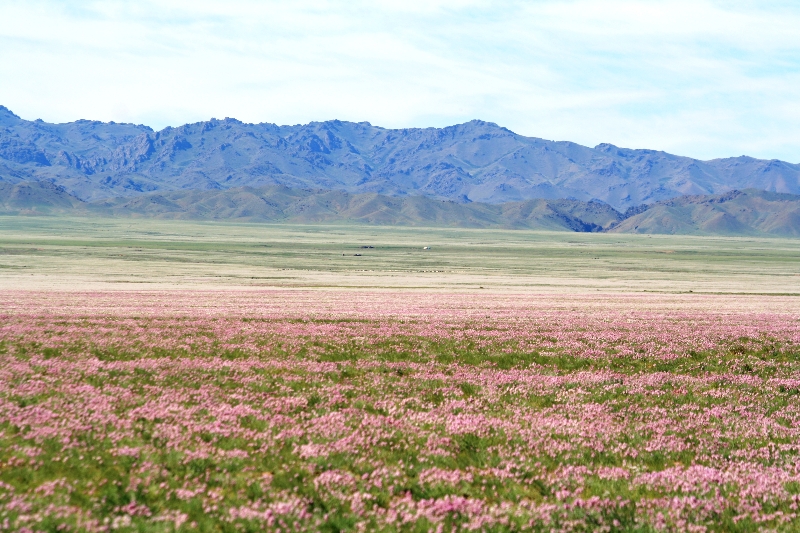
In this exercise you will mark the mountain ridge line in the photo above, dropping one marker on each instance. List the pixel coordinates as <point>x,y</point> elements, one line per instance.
<point>477,161</point>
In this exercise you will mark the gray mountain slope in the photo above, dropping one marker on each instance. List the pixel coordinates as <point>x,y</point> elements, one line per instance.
<point>748,212</point>
<point>277,203</point>
<point>37,197</point>
<point>280,204</point>
<point>472,162</point>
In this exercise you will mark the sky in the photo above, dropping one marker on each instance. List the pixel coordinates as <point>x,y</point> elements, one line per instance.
<point>699,78</point>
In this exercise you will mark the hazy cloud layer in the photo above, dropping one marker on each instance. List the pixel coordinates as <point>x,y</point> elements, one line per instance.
<point>700,78</point>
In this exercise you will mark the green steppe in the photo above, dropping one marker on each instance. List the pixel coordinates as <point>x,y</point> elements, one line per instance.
<point>72,254</point>
<point>82,253</point>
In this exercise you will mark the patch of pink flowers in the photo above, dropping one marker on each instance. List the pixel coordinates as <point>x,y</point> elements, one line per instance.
<point>363,410</point>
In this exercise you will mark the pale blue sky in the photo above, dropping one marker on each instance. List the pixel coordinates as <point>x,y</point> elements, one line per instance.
<point>700,78</point>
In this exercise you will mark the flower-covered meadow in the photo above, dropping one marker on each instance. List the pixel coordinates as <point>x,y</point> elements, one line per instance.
<point>303,410</point>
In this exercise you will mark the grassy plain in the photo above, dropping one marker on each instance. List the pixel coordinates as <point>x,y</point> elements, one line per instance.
<point>81,253</point>
<point>163,376</point>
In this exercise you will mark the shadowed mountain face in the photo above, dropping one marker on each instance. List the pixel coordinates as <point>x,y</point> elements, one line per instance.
<point>280,204</point>
<point>472,162</point>
<point>37,197</point>
<point>748,212</point>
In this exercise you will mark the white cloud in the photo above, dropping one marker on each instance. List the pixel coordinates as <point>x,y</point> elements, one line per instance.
<point>699,78</point>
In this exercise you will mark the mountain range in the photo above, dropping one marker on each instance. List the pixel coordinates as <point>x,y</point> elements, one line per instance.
<point>473,163</point>
<point>748,212</point>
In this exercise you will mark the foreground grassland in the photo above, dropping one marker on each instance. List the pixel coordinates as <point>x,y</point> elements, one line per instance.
<point>369,411</point>
<point>171,376</point>
<point>49,252</point>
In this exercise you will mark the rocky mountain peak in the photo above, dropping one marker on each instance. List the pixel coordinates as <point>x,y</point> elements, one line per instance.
<point>476,161</point>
